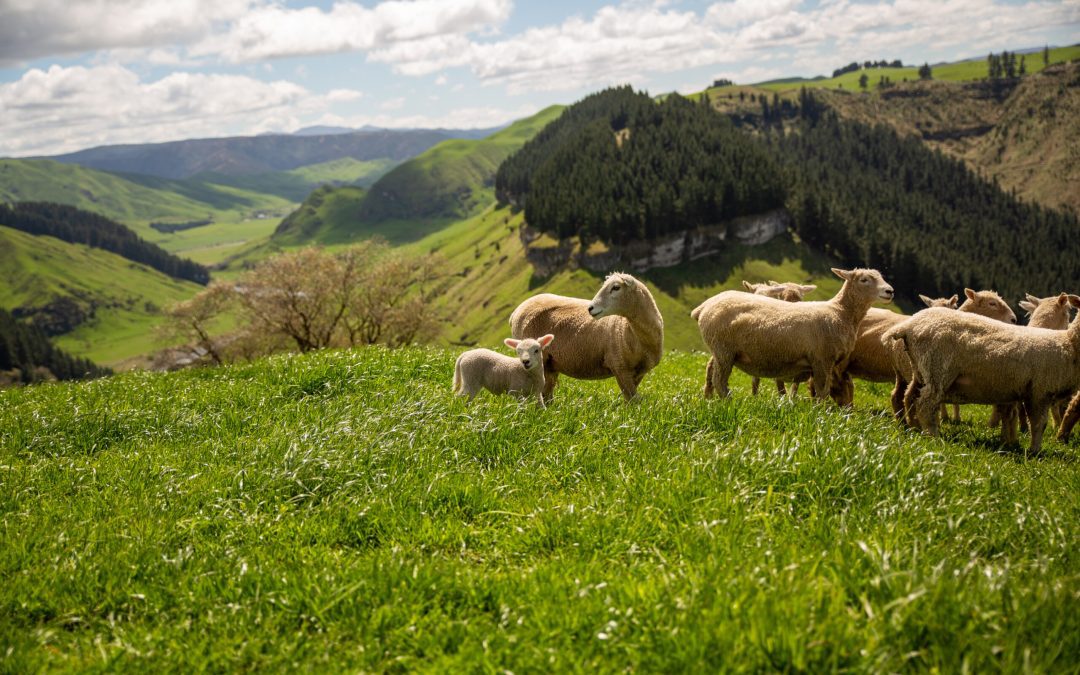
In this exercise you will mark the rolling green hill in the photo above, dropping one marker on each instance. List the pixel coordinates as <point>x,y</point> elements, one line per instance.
<point>119,300</point>
<point>343,511</point>
<point>297,184</point>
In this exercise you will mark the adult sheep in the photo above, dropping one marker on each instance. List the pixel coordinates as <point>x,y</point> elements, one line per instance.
<point>619,333</point>
<point>788,292</point>
<point>964,358</point>
<point>765,337</point>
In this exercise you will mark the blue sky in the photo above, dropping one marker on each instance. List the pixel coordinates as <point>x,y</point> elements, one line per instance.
<point>79,73</point>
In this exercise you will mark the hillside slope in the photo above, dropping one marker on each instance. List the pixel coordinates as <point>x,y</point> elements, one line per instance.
<point>105,306</point>
<point>343,511</point>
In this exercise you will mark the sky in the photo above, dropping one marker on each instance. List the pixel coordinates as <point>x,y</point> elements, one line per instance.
<point>82,73</point>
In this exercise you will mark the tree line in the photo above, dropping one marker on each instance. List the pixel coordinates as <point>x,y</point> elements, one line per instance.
<point>77,226</point>
<point>928,222</point>
<point>617,166</point>
<point>27,356</point>
<point>855,65</point>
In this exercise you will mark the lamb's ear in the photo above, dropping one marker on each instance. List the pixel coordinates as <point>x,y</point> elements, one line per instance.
<point>954,301</point>
<point>808,288</point>
<point>843,274</point>
<point>1063,299</point>
<point>1028,307</point>
<point>511,343</point>
<point>969,293</point>
<point>627,279</point>
<point>546,340</point>
<point>929,302</point>
<point>1031,298</point>
<point>1074,300</point>
<point>773,283</point>
<point>749,286</point>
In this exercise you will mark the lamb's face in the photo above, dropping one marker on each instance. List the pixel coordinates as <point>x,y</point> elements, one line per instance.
<point>988,304</point>
<point>528,352</point>
<point>947,303</point>
<point>1052,312</point>
<point>615,297</point>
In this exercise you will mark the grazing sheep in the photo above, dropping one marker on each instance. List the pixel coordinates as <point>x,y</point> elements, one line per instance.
<point>1069,420</point>
<point>771,338</point>
<point>1051,313</point>
<point>619,333</point>
<point>983,303</point>
<point>788,292</point>
<point>962,358</point>
<point>479,369</point>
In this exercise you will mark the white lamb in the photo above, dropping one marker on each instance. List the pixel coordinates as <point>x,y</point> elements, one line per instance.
<point>479,369</point>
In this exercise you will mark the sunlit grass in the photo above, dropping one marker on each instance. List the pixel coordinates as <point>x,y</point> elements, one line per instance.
<point>343,511</point>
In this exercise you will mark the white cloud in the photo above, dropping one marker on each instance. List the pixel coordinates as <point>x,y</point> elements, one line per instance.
<point>31,29</point>
<point>275,31</point>
<point>459,118</point>
<point>393,103</point>
<point>63,109</point>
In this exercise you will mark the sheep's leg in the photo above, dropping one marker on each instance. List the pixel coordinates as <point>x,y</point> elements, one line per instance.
<point>550,380</point>
<point>845,396</point>
<point>1069,420</point>
<point>995,418</point>
<point>754,383</point>
<point>956,412</point>
<point>928,407</point>
<point>794,388</point>
<point>1057,411</point>
<point>1024,416</point>
<point>822,375</point>
<point>1008,414</point>
<point>897,399</point>
<point>911,397</point>
<point>780,389</point>
<point>710,367</point>
<point>1037,414</point>
<point>720,374</point>
<point>627,385</point>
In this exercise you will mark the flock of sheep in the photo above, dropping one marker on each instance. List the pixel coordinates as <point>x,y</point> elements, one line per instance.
<point>948,353</point>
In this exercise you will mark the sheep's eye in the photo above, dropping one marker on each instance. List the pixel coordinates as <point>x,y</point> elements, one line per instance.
<point>993,304</point>
<point>615,288</point>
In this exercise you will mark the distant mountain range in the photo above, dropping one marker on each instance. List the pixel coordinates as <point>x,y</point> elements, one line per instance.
<point>244,155</point>
<point>322,130</point>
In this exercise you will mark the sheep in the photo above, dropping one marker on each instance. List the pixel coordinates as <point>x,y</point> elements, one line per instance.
<point>479,369</point>
<point>619,333</point>
<point>771,338</point>
<point>1051,313</point>
<point>963,358</point>
<point>788,292</point>
<point>984,303</point>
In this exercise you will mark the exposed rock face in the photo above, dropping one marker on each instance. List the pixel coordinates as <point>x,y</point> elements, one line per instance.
<point>640,256</point>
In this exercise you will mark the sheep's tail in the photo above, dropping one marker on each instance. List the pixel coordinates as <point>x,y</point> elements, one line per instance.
<point>457,377</point>
<point>896,333</point>
<point>697,311</point>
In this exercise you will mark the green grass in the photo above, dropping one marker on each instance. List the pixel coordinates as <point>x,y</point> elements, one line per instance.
<point>295,185</point>
<point>341,511</point>
<point>127,297</point>
<point>958,71</point>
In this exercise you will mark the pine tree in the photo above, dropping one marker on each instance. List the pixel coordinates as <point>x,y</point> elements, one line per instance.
<point>863,79</point>
<point>924,72</point>
<point>1046,55</point>
<point>1023,67</point>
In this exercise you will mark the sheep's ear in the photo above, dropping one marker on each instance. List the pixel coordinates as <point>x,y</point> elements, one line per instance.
<point>969,293</point>
<point>954,301</point>
<point>808,288</point>
<point>773,283</point>
<point>1063,299</point>
<point>511,343</point>
<point>1028,307</point>
<point>929,302</point>
<point>627,279</point>
<point>749,286</point>
<point>843,274</point>
<point>546,340</point>
<point>1074,300</point>
<point>1031,298</point>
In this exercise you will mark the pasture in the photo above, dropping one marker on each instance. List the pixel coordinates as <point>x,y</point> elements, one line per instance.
<point>342,511</point>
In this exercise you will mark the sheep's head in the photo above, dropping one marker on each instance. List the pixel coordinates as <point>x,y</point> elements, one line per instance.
<point>948,303</point>
<point>1052,312</point>
<point>866,283</point>
<point>787,291</point>
<point>616,297</point>
<point>988,304</point>
<point>529,350</point>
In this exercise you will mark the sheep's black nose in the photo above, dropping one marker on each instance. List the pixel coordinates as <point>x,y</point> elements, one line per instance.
<point>526,363</point>
<point>590,309</point>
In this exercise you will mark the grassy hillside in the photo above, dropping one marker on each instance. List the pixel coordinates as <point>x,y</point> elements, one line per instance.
<point>297,184</point>
<point>341,511</point>
<point>491,277</point>
<point>959,71</point>
<point>124,297</point>
<point>454,179</point>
